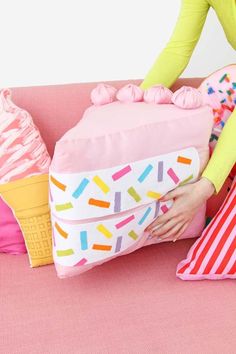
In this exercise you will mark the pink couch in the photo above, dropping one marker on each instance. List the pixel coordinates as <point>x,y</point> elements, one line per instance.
<point>133,304</point>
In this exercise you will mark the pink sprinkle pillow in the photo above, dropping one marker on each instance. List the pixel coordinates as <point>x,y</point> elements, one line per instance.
<point>109,171</point>
<point>213,255</point>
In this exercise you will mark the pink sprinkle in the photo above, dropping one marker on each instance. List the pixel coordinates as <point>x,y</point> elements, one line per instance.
<point>81,262</point>
<point>121,173</point>
<point>173,175</point>
<point>164,209</point>
<point>124,222</point>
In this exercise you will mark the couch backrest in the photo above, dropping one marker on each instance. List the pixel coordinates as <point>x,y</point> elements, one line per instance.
<point>57,108</point>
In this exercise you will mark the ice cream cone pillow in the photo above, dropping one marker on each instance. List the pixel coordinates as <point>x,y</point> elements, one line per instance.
<point>24,164</point>
<point>109,171</point>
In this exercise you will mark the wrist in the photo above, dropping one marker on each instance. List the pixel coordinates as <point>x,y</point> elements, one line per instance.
<point>207,187</point>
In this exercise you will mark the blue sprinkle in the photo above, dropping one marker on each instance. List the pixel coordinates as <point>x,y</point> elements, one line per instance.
<point>83,240</point>
<point>80,188</point>
<point>145,215</point>
<point>222,124</point>
<point>145,173</point>
<point>210,91</point>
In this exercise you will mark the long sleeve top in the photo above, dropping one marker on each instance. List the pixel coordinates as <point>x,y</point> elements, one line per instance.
<point>173,60</point>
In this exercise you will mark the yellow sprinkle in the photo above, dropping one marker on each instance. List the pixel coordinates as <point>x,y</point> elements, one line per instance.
<point>133,234</point>
<point>154,195</point>
<point>101,228</point>
<point>101,184</point>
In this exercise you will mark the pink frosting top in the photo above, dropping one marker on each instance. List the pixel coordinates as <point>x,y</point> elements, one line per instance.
<point>130,93</point>
<point>158,94</point>
<point>103,94</point>
<point>22,150</point>
<point>187,97</point>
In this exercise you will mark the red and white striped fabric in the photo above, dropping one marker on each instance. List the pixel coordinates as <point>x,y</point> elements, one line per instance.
<point>213,255</point>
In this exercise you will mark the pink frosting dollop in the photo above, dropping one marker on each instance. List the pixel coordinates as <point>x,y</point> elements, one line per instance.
<point>187,97</point>
<point>130,93</point>
<point>103,94</point>
<point>158,94</point>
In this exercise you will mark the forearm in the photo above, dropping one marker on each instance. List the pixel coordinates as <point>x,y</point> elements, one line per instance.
<point>165,70</point>
<point>177,53</point>
<point>224,155</point>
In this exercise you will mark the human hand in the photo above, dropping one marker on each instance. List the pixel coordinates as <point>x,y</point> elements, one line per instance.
<point>186,201</point>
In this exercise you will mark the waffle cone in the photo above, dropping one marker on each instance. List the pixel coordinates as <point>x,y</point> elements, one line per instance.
<point>28,198</point>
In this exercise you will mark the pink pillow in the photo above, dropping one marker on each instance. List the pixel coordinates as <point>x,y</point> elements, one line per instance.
<point>109,171</point>
<point>213,255</point>
<point>11,238</point>
<point>24,163</point>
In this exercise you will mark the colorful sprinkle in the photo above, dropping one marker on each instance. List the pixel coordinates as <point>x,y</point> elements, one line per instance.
<point>164,209</point>
<point>117,202</point>
<point>62,253</point>
<point>157,206</point>
<point>147,212</point>
<point>99,203</point>
<point>121,173</point>
<point>210,90</point>
<point>101,228</point>
<point>173,176</point>
<point>81,262</point>
<point>132,192</point>
<point>61,231</point>
<point>230,91</point>
<point>57,183</point>
<point>79,190</point>
<point>124,222</point>
<point>234,85</point>
<point>118,244</point>
<point>186,180</point>
<point>184,160</point>
<point>220,91</point>
<point>133,235</point>
<point>154,195</point>
<point>160,171</point>
<point>145,173</point>
<point>224,77</point>
<point>101,184</point>
<point>101,247</point>
<point>83,240</point>
<point>61,207</point>
<point>213,137</point>
<point>222,101</point>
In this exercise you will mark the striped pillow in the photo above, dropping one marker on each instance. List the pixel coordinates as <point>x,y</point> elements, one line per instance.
<point>213,255</point>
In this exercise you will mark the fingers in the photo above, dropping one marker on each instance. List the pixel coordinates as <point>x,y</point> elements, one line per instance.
<point>173,231</point>
<point>162,219</point>
<point>181,231</point>
<point>171,195</point>
<point>163,228</point>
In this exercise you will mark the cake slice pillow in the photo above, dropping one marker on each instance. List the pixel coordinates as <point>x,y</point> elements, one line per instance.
<point>109,171</point>
<point>24,164</point>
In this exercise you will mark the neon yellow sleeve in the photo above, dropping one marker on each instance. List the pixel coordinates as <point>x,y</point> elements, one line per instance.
<point>224,155</point>
<point>174,58</point>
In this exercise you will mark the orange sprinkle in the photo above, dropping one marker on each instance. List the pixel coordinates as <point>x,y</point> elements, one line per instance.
<point>57,183</point>
<point>101,247</point>
<point>61,232</point>
<point>99,203</point>
<point>184,160</point>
